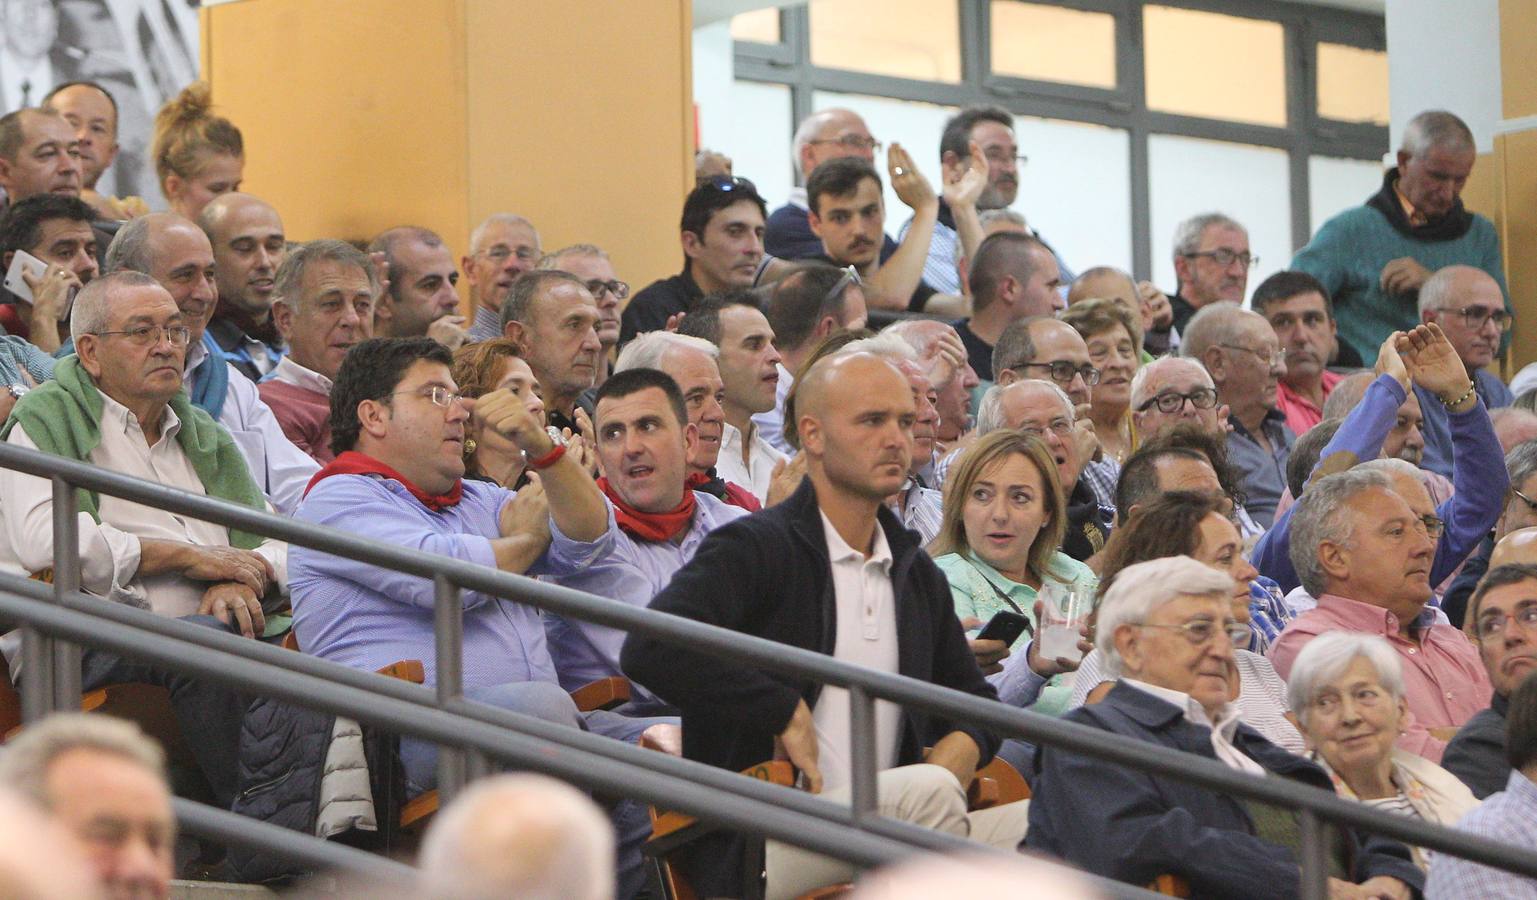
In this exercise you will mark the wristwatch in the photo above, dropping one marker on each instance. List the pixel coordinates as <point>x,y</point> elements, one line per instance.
<point>17,390</point>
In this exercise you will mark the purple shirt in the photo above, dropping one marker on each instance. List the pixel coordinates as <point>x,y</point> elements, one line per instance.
<point>368,617</point>
<point>633,571</point>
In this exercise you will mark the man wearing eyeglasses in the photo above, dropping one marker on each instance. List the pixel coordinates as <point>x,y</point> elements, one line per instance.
<point>1374,258</point>
<point>1240,350</point>
<point>591,264</point>
<point>420,300</point>
<point>502,247</point>
<point>1211,262</point>
<point>1503,613</point>
<point>1470,308</point>
<point>1367,557</point>
<point>824,135</point>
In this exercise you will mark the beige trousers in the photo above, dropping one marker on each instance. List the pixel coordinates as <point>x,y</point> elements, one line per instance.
<point>925,795</point>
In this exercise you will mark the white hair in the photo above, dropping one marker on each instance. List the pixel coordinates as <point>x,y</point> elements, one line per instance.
<point>648,350</point>
<point>1323,514</point>
<point>1440,290</point>
<point>1142,588</point>
<point>807,131</point>
<point>1187,235</point>
<point>479,233</point>
<point>919,334</point>
<point>1436,128</point>
<point>1326,657</point>
<point>525,836</point>
<point>885,345</point>
<point>1139,389</point>
<point>25,761</point>
<point>990,408</point>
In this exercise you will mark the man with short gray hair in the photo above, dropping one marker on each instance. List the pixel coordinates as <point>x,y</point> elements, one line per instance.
<point>502,248</point>
<point>105,782</point>
<point>1469,308</point>
<point>552,316</point>
<point>590,263</point>
<point>1374,258</point>
<point>1211,263</point>
<point>1364,553</point>
<point>323,305</point>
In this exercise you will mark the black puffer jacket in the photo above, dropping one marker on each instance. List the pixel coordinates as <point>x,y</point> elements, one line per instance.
<point>282,762</point>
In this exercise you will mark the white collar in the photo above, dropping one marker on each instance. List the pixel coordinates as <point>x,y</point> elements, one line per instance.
<point>1195,713</point>
<point>838,550</point>
<point>121,419</point>
<point>292,373</point>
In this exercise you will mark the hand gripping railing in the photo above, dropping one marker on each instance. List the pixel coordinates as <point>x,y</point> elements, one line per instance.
<point>447,718</point>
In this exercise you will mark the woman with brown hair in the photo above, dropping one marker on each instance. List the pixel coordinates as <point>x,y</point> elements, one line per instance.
<point>198,155</point>
<point>496,365</point>
<point>1113,337</point>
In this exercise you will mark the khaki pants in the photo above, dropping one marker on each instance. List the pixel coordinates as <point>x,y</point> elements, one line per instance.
<point>925,795</point>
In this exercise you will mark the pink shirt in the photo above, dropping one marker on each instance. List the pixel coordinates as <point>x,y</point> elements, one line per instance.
<point>1444,679</point>
<point>1299,411</point>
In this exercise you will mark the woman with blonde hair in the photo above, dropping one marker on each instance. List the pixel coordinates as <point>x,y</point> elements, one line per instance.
<point>1000,543</point>
<point>198,155</point>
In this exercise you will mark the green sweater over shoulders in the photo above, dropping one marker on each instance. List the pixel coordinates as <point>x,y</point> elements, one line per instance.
<point>1349,252</point>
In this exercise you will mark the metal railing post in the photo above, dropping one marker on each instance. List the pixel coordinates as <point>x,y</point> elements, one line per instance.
<point>66,581</point>
<point>862,762</point>
<point>448,627</point>
<point>1315,863</point>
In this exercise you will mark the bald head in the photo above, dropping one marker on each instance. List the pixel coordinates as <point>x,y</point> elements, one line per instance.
<point>831,134</point>
<point>1470,307</point>
<point>175,253</point>
<point>248,248</point>
<point>1106,283</point>
<point>855,415</point>
<point>1518,547</point>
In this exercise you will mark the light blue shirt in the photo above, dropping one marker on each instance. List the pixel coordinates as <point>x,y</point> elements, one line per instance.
<point>368,617</point>
<point>632,570</point>
<point>1509,817</point>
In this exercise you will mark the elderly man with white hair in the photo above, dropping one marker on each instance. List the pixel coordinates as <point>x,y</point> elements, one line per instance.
<point>524,836</point>
<point>1366,555</point>
<point>1166,628</point>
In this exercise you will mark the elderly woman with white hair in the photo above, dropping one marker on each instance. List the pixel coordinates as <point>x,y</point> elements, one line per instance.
<point>1167,631</point>
<point>1348,690</point>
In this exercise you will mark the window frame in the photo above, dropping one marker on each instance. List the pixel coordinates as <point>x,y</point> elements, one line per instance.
<point>1124,107</point>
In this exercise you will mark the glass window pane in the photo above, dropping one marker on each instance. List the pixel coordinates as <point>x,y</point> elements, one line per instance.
<point>903,38</point>
<point>1087,220</point>
<point>1050,43</point>
<point>1352,84</point>
<point>1215,66</point>
<point>1335,185</point>
<point>916,126</point>
<point>760,25</point>
<point>1188,177</point>
<point>754,130</point>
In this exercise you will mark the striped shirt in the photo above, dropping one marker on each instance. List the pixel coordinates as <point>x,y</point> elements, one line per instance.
<point>1509,817</point>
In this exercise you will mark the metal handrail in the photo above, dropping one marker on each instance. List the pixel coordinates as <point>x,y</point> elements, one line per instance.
<point>1314,805</point>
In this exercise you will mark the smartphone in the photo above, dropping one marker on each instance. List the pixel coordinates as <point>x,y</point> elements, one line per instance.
<point>1006,626</point>
<point>22,261</point>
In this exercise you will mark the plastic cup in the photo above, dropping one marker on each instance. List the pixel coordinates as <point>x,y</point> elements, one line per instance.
<point>1063,613</point>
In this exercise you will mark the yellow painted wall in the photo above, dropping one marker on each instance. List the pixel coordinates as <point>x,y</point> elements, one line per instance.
<point>1517,157</point>
<point>359,115</point>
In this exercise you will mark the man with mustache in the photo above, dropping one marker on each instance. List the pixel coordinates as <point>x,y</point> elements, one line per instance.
<point>977,135</point>
<point>248,247</point>
<point>1298,310</point>
<point>323,304</point>
<point>749,371</point>
<point>551,315</point>
<point>823,135</point>
<point>691,363</point>
<point>646,448</point>
<point>1503,613</point>
<point>177,254</point>
<point>1367,556</point>
<point>1375,257</point>
<point>1469,307</point>
<point>1211,263</point>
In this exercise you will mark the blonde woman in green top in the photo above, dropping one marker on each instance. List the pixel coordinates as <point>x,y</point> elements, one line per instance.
<point>1004,520</point>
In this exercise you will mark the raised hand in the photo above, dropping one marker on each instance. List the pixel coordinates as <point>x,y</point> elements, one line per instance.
<point>504,412</point>
<point>1390,363</point>
<point>1156,311</point>
<point>449,331</point>
<point>908,183</point>
<point>1434,364</point>
<point>965,189</point>
<point>786,477</point>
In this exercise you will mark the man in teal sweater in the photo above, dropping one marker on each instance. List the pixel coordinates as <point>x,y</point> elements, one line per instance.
<point>1373,258</point>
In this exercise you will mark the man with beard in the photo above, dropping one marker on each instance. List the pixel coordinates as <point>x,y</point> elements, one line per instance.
<point>990,129</point>
<point>248,247</point>
<point>1211,263</point>
<point>1469,307</point>
<point>1299,312</point>
<point>1421,357</point>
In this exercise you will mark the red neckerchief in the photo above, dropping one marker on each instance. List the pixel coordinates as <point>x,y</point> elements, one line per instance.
<point>725,491</point>
<point>354,463</point>
<point>655,527</point>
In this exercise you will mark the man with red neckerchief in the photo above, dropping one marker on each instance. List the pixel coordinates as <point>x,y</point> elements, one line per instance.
<point>398,431</point>
<point>645,440</point>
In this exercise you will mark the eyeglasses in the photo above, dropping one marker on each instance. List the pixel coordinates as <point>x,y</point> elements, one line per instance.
<point>1474,317</point>
<point>1171,402</point>
<point>1493,625</point>
<point>1225,258</point>
<point>850,276</point>
<point>1003,158</point>
<point>1274,359</point>
<point>852,142</point>
<point>149,335</point>
<point>1062,371</point>
<point>1201,631</point>
<point>440,396</point>
<point>1058,427</point>
<point>1434,526</point>
<point>619,289</point>
<point>726,184</point>
<point>1530,503</point>
<point>500,252</point>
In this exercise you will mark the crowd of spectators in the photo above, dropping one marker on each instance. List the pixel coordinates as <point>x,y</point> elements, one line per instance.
<point>1303,515</point>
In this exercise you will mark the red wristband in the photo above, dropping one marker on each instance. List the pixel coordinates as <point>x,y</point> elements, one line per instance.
<point>547,460</point>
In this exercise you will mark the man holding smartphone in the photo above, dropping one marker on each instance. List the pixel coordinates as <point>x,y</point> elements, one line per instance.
<point>48,252</point>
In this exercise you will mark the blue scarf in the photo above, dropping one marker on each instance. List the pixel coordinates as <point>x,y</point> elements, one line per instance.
<point>209,384</point>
